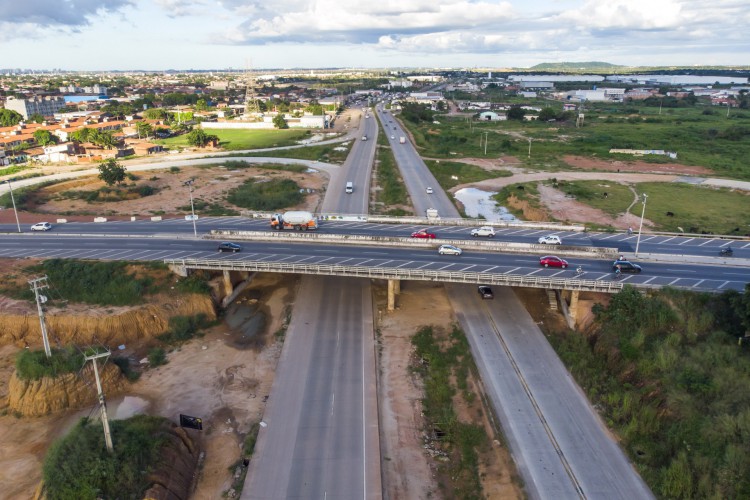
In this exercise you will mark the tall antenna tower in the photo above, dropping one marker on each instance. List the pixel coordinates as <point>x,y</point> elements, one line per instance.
<point>251,98</point>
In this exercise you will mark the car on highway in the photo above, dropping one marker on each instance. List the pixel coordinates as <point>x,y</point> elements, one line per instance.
<point>393,137</point>
<point>429,190</point>
<point>228,246</point>
<point>485,292</point>
<point>41,226</point>
<point>550,239</point>
<point>423,233</point>
<point>553,261</point>
<point>449,250</point>
<point>483,231</point>
<point>626,266</point>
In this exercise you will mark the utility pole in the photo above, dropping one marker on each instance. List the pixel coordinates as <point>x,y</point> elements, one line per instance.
<point>638,242</point>
<point>529,147</point>
<point>485,143</point>
<point>13,200</point>
<point>189,184</point>
<point>37,285</point>
<point>102,403</point>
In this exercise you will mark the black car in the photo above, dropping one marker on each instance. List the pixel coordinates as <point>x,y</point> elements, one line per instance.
<point>485,292</point>
<point>228,246</point>
<point>626,266</point>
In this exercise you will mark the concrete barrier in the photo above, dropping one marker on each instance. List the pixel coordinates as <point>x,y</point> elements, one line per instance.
<point>156,218</point>
<point>132,219</point>
<point>100,219</point>
<point>62,221</point>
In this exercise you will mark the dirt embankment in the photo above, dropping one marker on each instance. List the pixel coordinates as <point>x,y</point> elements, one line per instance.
<point>128,326</point>
<point>34,398</point>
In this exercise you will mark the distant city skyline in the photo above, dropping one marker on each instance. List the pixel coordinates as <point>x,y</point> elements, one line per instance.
<point>100,35</point>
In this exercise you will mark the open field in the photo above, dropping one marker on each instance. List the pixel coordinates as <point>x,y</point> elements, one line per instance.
<point>231,139</point>
<point>700,135</point>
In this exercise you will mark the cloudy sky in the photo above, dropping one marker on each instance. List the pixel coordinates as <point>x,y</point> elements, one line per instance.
<point>218,34</point>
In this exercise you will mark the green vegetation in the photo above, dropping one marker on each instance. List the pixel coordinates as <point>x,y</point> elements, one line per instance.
<point>184,328</point>
<point>126,369</point>
<point>105,194</point>
<point>392,189</point>
<point>33,365</point>
<point>327,153</point>
<point>712,140</point>
<point>442,361</point>
<point>240,165</point>
<point>24,196</point>
<point>668,375</point>
<point>444,171</point>
<point>13,169</point>
<point>93,282</point>
<point>197,282</point>
<point>95,473</point>
<point>236,139</point>
<point>524,192</point>
<point>267,195</point>
<point>248,447</point>
<point>157,356</point>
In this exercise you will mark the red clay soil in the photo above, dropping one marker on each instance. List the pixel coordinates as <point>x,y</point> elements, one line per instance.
<point>634,166</point>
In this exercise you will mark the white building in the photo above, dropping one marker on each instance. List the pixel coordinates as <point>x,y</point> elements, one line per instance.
<point>45,106</point>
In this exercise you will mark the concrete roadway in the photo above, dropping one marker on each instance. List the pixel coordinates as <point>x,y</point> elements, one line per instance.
<point>560,445</point>
<point>321,434</point>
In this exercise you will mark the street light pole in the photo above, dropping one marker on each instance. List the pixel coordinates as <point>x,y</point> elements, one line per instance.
<point>638,242</point>
<point>189,184</point>
<point>13,200</point>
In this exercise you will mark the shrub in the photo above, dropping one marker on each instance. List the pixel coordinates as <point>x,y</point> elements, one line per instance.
<point>184,328</point>
<point>33,365</point>
<point>157,357</point>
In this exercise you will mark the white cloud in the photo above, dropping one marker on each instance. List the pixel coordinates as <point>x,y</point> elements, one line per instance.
<point>51,13</point>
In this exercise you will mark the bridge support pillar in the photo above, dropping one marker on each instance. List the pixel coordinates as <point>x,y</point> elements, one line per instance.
<point>574,305</point>
<point>394,288</point>
<point>228,287</point>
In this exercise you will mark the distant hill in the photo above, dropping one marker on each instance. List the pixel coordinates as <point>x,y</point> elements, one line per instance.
<point>575,66</point>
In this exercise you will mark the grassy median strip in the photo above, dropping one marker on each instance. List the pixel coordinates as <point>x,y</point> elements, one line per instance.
<point>444,362</point>
<point>392,189</point>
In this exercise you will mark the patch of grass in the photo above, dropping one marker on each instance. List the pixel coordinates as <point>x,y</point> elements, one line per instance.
<point>241,165</point>
<point>95,282</point>
<point>442,361</point>
<point>273,194</point>
<point>33,365</point>
<point>196,282</point>
<point>26,196</point>
<point>184,328</point>
<point>248,447</point>
<point>79,466</point>
<point>13,169</point>
<point>328,153</point>
<point>392,189</point>
<point>444,171</point>
<point>525,191</point>
<point>157,356</point>
<point>236,139</point>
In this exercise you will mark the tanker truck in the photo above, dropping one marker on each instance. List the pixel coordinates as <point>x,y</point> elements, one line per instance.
<point>299,220</point>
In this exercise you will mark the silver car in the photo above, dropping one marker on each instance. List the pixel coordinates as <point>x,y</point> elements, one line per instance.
<point>449,250</point>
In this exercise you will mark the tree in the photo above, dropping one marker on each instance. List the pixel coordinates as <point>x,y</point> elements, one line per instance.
<point>547,114</point>
<point>111,172</point>
<point>200,138</point>
<point>201,105</point>
<point>36,118</point>
<point>9,118</point>
<point>315,109</point>
<point>144,129</point>
<point>516,113</point>
<point>280,122</point>
<point>155,114</point>
<point>44,138</point>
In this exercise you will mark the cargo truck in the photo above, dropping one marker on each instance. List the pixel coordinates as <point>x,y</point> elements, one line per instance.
<point>402,140</point>
<point>298,220</point>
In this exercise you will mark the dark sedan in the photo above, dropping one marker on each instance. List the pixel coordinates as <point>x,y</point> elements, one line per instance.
<point>485,292</point>
<point>228,246</point>
<point>625,266</point>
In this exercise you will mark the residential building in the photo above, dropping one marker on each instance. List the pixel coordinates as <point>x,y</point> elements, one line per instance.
<point>45,106</point>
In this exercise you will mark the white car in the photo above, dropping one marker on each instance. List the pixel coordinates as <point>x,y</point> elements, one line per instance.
<point>41,226</point>
<point>449,250</point>
<point>429,190</point>
<point>393,137</point>
<point>483,231</point>
<point>550,239</point>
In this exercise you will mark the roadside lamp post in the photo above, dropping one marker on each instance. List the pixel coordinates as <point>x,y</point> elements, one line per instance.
<point>13,200</point>
<point>189,184</point>
<point>638,242</point>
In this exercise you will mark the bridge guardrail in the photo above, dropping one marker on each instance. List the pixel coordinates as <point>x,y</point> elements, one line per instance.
<point>499,279</point>
<point>429,221</point>
<point>392,241</point>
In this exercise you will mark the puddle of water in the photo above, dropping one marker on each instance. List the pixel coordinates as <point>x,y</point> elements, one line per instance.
<point>126,407</point>
<point>479,203</point>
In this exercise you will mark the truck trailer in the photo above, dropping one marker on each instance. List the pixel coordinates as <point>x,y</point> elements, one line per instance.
<point>298,220</point>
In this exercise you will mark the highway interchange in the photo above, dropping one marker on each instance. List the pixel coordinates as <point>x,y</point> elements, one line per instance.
<point>320,434</point>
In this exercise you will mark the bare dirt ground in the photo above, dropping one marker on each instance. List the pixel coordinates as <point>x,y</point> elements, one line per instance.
<point>408,469</point>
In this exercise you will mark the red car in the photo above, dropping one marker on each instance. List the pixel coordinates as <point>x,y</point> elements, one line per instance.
<point>553,261</point>
<point>423,234</point>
